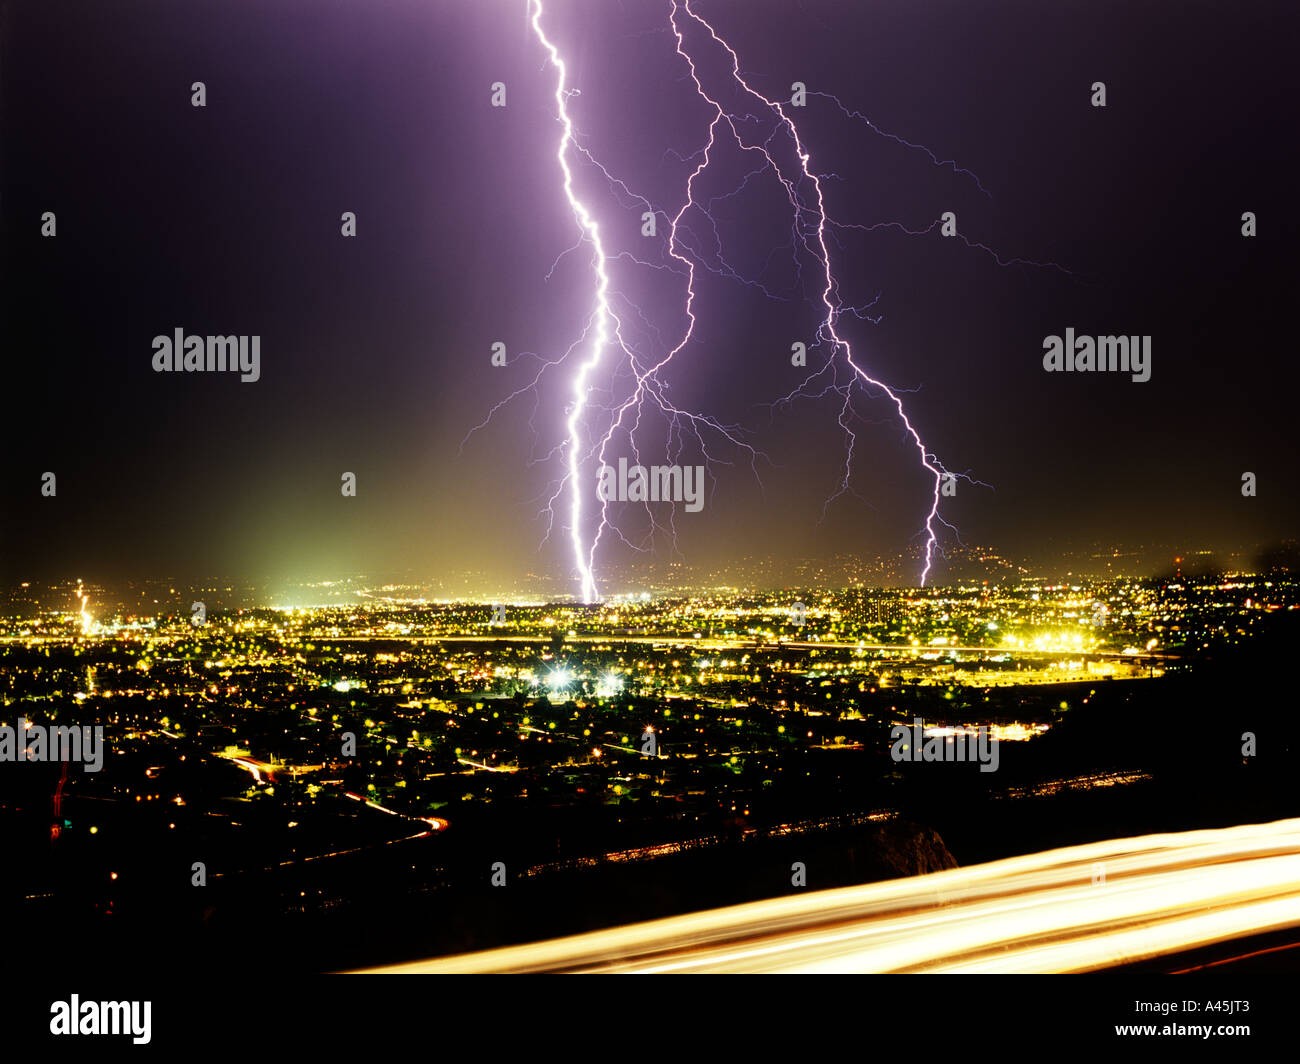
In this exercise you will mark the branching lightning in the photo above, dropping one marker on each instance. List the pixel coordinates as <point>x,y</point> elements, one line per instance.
<point>830,293</point>
<point>604,342</point>
<point>602,316</point>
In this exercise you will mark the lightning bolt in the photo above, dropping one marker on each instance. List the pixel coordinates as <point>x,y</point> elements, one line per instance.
<point>815,242</point>
<point>604,342</point>
<point>605,329</point>
<point>602,315</point>
<point>87,621</point>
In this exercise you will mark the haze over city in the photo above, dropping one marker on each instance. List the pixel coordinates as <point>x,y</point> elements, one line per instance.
<point>668,486</point>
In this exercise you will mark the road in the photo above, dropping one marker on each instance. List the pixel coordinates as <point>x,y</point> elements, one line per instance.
<point>1083,908</point>
<point>713,644</point>
<point>738,643</point>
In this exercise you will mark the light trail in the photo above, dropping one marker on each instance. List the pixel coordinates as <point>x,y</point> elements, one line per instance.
<point>251,765</point>
<point>1077,909</point>
<point>688,642</point>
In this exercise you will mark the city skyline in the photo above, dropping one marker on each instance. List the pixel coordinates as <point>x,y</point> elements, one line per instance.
<point>968,564</point>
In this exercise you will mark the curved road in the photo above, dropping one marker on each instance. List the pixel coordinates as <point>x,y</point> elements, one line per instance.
<point>1077,909</point>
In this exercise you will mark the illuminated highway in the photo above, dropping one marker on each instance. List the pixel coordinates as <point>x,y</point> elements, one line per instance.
<point>1077,909</point>
<point>710,643</point>
<point>750,643</point>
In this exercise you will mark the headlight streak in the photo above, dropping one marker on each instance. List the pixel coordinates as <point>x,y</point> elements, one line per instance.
<point>1161,894</point>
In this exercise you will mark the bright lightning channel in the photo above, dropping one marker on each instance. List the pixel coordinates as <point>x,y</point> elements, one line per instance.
<point>603,314</point>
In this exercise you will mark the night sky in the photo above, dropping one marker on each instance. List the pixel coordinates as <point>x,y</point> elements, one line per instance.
<point>375,350</point>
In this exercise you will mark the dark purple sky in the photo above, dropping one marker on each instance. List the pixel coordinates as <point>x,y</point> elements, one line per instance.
<point>375,350</point>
